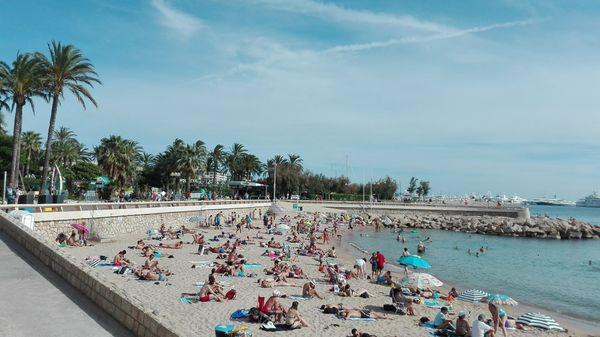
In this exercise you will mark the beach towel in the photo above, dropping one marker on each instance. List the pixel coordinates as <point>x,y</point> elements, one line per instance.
<point>435,304</point>
<point>189,300</point>
<point>358,319</point>
<point>240,314</point>
<point>298,298</point>
<point>252,265</point>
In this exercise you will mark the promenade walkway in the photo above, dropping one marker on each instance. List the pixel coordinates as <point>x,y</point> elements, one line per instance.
<point>37,302</point>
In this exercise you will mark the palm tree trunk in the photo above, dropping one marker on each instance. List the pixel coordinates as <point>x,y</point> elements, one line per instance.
<point>14,169</point>
<point>53,114</point>
<point>214,173</point>
<point>28,161</point>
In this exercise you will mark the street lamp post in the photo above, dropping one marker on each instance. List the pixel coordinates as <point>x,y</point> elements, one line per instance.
<point>275,183</point>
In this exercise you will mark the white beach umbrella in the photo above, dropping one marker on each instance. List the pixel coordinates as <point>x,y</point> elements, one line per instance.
<point>420,280</point>
<point>539,320</point>
<point>472,295</point>
<point>282,227</point>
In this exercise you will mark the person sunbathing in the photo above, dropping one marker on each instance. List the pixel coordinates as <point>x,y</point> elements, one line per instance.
<point>176,245</point>
<point>185,230</point>
<point>72,241</point>
<point>335,308</point>
<point>148,275</point>
<point>120,259</point>
<point>294,319</point>
<point>140,244</point>
<point>309,290</point>
<point>349,292</point>
<point>152,264</point>
<point>198,239</point>
<point>61,238</point>
<point>272,282</point>
<point>365,313</point>
<point>400,298</point>
<point>273,307</point>
<point>273,244</point>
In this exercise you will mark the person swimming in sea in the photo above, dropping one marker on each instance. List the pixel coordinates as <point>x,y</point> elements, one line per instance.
<point>477,254</point>
<point>469,251</point>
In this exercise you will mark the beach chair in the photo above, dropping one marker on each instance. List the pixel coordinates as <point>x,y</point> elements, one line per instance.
<point>397,301</point>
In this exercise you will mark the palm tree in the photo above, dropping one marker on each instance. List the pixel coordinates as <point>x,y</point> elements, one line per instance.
<point>234,161</point>
<point>191,161</point>
<point>21,83</point>
<point>68,69</point>
<point>67,151</point>
<point>251,166</point>
<point>217,157</point>
<point>119,158</point>
<point>412,185</point>
<point>2,120</point>
<point>31,142</point>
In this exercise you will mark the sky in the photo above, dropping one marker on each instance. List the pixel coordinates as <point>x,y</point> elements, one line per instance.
<point>496,96</point>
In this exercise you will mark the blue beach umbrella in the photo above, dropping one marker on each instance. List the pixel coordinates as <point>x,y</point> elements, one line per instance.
<point>413,260</point>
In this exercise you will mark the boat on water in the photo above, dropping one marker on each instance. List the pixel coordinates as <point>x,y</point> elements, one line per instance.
<point>592,200</point>
<point>517,200</point>
<point>550,202</point>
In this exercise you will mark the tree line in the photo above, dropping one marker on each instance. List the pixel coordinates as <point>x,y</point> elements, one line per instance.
<point>64,71</point>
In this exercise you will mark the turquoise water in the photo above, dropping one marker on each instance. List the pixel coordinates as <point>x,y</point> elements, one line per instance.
<point>587,214</point>
<point>553,275</point>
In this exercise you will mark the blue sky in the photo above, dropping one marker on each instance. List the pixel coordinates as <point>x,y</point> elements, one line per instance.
<point>475,96</point>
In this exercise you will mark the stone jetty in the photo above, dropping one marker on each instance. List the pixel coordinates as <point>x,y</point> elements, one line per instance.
<point>534,227</point>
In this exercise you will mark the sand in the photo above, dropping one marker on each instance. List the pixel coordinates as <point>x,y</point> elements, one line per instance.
<point>201,318</point>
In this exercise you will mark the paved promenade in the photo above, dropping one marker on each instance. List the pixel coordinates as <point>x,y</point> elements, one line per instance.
<point>37,302</point>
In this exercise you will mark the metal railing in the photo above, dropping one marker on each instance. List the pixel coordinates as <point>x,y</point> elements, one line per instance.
<point>66,207</point>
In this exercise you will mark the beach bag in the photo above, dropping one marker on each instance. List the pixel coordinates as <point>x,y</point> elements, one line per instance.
<point>230,295</point>
<point>254,315</point>
<point>240,314</point>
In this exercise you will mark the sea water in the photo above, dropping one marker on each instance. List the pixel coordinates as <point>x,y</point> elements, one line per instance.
<point>587,214</point>
<point>550,274</point>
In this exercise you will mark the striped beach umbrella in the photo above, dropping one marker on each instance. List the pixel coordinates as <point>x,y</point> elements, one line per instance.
<point>539,320</point>
<point>499,299</point>
<point>472,295</point>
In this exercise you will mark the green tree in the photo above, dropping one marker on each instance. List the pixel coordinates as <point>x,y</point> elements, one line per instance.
<point>31,144</point>
<point>66,69</point>
<point>190,161</point>
<point>217,158</point>
<point>425,188</point>
<point>67,150</point>
<point>119,158</point>
<point>21,83</point>
<point>412,185</point>
<point>234,160</point>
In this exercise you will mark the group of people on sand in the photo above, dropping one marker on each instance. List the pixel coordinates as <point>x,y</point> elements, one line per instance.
<point>481,327</point>
<point>308,234</point>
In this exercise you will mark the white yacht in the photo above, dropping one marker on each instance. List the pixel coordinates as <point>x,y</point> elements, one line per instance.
<point>517,200</point>
<point>592,200</point>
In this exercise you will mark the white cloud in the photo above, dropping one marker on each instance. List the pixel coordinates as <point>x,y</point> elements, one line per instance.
<point>341,14</point>
<point>182,23</point>
<point>420,39</point>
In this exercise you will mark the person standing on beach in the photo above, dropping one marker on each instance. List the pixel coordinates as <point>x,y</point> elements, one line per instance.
<point>498,317</point>
<point>373,261</point>
<point>405,253</point>
<point>380,263</point>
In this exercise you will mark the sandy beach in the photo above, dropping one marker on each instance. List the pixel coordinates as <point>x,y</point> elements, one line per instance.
<point>199,319</point>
